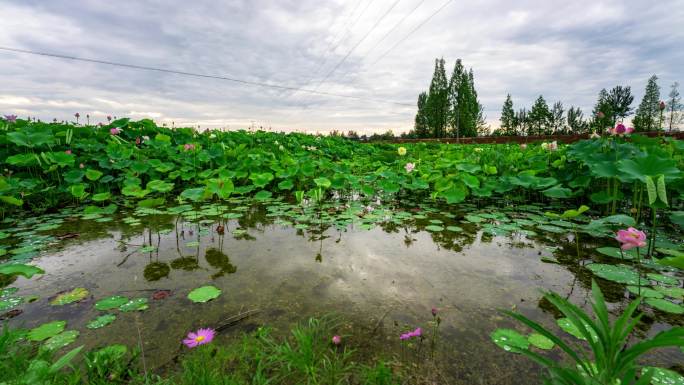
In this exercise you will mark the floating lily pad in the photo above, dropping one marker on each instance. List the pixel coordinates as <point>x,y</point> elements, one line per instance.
<point>147,249</point>
<point>27,271</point>
<point>136,304</point>
<point>663,278</point>
<point>474,218</point>
<point>674,292</point>
<point>434,228</point>
<point>192,244</point>
<point>46,330</point>
<point>665,305</point>
<point>616,273</point>
<point>540,341</point>
<point>454,229</point>
<point>75,295</point>
<point>111,302</point>
<point>552,229</point>
<point>616,252</point>
<point>204,294</point>
<point>10,302</point>
<point>8,291</point>
<point>510,340</point>
<point>61,340</point>
<point>101,321</point>
<point>666,377</point>
<point>645,292</point>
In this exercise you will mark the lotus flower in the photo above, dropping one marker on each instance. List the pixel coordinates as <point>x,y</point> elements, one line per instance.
<point>409,167</point>
<point>68,152</point>
<point>336,340</point>
<point>11,118</point>
<point>631,238</point>
<point>138,140</point>
<point>545,146</point>
<point>401,151</point>
<point>109,118</point>
<point>81,165</point>
<point>621,129</point>
<point>523,146</point>
<point>600,115</point>
<point>553,146</point>
<point>188,147</point>
<point>434,312</point>
<point>201,337</point>
<point>77,115</point>
<point>661,105</point>
<point>115,131</point>
<point>594,135</point>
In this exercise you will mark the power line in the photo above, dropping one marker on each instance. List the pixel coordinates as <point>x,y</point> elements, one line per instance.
<point>387,34</point>
<point>331,51</point>
<point>357,44</point>
<point>198,75</point>
<point>412,31</point>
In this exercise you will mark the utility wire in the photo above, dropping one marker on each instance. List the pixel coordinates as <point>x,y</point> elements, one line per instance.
<point>198,75</point>
<point>331,51</point>
<point>386,35</point>
<point>412,31</point>
<point>357,44</point>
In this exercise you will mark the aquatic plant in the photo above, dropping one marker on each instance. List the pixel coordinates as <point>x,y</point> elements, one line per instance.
<point>613,361</point>
<point>631,238</point>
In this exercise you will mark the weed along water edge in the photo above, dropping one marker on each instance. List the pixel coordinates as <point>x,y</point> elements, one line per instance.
<point>177,256</point>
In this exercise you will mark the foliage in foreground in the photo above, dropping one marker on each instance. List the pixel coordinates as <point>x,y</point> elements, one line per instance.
<point>613,360</point>
<point>307,357</point>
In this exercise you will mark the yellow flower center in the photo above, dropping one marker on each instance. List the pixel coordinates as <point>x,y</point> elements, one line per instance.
<point>200,338</point>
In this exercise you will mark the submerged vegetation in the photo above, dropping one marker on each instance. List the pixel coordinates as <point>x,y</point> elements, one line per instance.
<point>614,204</point>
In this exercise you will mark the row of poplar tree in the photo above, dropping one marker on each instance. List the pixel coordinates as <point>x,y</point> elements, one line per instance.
<point>611,107</point>
<point>450,108</point>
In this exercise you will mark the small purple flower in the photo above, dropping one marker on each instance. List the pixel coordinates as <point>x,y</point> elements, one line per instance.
<point>201,337</point>
<point>11,118</point>
<point>336,340</point>
<point>434,312</point>
<point>416,333</point>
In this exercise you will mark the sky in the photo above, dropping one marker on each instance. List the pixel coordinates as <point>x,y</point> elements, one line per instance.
<point>373,50</point>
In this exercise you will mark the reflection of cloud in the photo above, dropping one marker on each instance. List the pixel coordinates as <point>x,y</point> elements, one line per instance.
<point>564,50</point>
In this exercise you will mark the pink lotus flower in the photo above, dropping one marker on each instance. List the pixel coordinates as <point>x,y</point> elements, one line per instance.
<point>77,115</point>
<point>523,146</point>
<point>553,146</point>
<point>434,312</point>
<point>115,131</point>
<point>621,129</point>
<point>336,340</point>
<point>201,337</point>
<point>188,147</point>
<point>661,105</point>
<point>416,333</point>
<point>81,165</point>
<point>109,118</point>
<point>409,167</point>
<point>11,118</point>
<point>138,141</point>
<point>631,238</point>
<point>600,115</point>
<point>68,152</point>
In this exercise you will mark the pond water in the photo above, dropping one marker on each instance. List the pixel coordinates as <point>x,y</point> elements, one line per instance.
<point>381,280</point>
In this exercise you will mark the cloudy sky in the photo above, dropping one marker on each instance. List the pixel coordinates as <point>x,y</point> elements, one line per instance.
<point>565,50</point>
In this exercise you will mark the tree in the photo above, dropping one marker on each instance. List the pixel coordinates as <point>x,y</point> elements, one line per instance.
<point>539,117</point>
<point>457,78</point>
<point>602,115</point>
<point>521,121</point>
<point>557,120</point>
<point>620,101</point>
<point>475,108</point>
<point>508,117</point>
<point>421,122</point>
<point>646,118</point>
<point>576,120</point>
<point>674,107</point>
<point>438,101</point>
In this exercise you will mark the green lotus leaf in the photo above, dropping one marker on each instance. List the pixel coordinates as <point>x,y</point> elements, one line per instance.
<point>110,302</point>
<point>204,294</point>
<point>510,340</point>
<point>46,330</point>
<point>101,321</point>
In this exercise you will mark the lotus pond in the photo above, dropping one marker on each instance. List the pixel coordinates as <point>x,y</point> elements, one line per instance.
<point>129,236</point>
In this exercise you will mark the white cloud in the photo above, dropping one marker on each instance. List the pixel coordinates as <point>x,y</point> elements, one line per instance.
<point>564,50</point>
